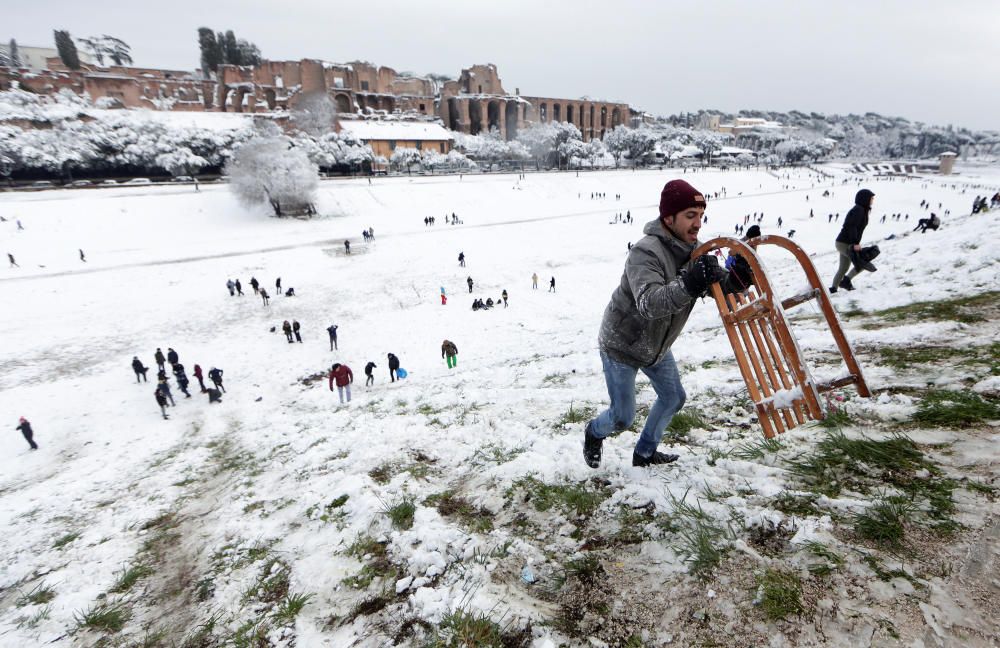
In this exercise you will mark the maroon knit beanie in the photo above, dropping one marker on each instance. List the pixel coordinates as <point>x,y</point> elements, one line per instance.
<point>677,196</point>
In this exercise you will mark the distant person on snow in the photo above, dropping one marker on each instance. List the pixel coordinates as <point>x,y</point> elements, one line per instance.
<point>287,328</point>
<point>172,356</point>
<point>393,366</point>
<point>469,281</point>
<point>254,284</point>
<point>925,224</point>
<point>290,292</point>
<point>461,259</point>
<point>534,281</point>
<point>647,312</point>
<point>347,248</point>
<point>552,284</point>
<point>182,380</point>
<point>200,377</point>
<point>341,375</point>
<point>239,288</point>
<point>450,353</point>
<point>332,330</point>
<point>264,296</point>
<point>369,376</point>
<point>503,296</point>
<point>164,387</point>
<point>13,263</point>
<point>295,330</point>
<point>215,375</point>
<point>161,400</point>
<point>214,395</point>
<point>231,286</point>
<point>83,257</point>
<point>850,239</point>
<point>277,285</point>
<point>139,369</point>
<point>29,435</point>
<point>160,359</point>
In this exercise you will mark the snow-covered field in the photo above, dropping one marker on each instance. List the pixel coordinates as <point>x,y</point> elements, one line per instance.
<point>225,518</point>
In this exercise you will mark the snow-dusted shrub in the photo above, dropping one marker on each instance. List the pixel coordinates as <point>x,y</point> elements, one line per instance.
<point>271,169</point>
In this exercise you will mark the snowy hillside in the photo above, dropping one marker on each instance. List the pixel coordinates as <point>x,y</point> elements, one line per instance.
<point>454,507</point>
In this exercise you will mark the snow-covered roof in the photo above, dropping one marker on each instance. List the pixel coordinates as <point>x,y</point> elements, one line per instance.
<point>367,130</point>
<point>952,153</point>
<point>734,150</point>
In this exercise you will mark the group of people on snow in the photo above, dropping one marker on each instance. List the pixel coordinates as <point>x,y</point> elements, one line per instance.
<point>162,392</point>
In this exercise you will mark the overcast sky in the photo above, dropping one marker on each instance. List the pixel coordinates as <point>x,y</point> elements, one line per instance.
<point>931,61</point>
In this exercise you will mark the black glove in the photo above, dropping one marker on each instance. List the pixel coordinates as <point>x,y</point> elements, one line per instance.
<point>702,273</point>
<point>741,273</point>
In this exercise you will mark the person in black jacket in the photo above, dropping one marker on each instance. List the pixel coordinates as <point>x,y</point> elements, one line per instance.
<point>215,375</point>
<point>161,400</point>
<point>172,357</point>
<point>159,357</point>
<point>393,366</point>
<point>295,329</point>
<point>26,430</point>
<point>139,369</point>
<point>850,239</point>
<point>182,380</point>
<point>369,377</point>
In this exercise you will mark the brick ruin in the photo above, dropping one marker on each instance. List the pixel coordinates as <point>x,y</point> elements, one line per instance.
<point>475,103</point>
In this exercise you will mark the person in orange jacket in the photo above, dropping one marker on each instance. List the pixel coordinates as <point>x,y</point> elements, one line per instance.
<point>343,376</point>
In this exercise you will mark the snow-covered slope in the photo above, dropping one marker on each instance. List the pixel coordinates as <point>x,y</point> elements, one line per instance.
<point>222,502</point>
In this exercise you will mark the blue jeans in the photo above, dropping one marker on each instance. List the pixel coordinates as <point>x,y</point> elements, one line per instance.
<point>670,399</point>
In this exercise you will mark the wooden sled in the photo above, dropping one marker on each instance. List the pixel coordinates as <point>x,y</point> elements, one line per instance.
<point>780,384</point>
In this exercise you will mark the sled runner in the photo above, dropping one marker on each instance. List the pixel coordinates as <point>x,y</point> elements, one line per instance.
<point>780,384</point>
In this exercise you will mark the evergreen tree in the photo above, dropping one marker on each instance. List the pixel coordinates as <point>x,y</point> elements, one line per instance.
<point>249,54</point>
<point>96,48</point>
<point>13,54</point>
<point>67,49</point>
<point>232,49</point>
<point>220,44</point>
<point>209,50</point>
<point>119,51</point>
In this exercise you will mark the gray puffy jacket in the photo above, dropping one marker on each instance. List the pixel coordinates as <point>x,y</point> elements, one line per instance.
<point>650,306</point>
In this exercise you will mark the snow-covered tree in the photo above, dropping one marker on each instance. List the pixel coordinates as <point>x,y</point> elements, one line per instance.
<point>404,156</point>
<point>616,142</point>
<point>314,114</point>
<point>640,143</point>
<point>273,170</point>
<point>211,55</point>
<point>181,161</point>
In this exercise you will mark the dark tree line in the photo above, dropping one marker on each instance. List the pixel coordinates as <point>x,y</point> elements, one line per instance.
<point>218,48</point>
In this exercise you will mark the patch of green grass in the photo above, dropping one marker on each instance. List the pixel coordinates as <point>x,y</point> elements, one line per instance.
<point>587,569</point>
<point>290,607</point>
<point>378,564</point>
<point>632,523</point>
<point>64,540</point>
<point>554,380</point>
<point>683,422</point>
<point>495,453</point>
<point>32,621</point>
<point>465,628</point>
<point>384,473</point>
<point>272,583</point>
<point>579,498</point>
<point>576,415</point>
<point>780,594</point>
<point>796,504</point>
<point>835,419</point>
<point>703,541</point>
<point>130,576</point>
<point>449,504</point>
<point>714,454</point>
<point>37,595</point>
<point>884,522</point>
<point>967,310</point>
<point>954,409</point>
<point>429,410</point>
<point>919,355</point>
<point>105,617</point>
<point>978,487</point>
<point>755,450</point>
<point>401,513</point>
<point>830,559</point>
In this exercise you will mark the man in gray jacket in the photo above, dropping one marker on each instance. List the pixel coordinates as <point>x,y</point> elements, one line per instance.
<point>647,312</point>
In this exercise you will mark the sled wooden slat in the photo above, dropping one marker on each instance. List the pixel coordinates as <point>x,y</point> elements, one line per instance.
<point>780,384</point>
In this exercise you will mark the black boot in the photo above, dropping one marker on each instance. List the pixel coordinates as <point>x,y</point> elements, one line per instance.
<point>846,284</point>
<point>656,459</point>
<point>591,447</point>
